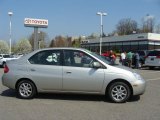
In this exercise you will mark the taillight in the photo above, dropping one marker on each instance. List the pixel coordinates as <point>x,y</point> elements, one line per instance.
<point>158,57</point>
<point>145,57</point>
<point>6,69</point>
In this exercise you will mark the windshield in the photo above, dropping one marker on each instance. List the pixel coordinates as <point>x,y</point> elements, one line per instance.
<point>102,58</point>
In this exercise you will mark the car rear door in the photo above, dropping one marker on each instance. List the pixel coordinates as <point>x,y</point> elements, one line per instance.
<point>78,75</point>
<point>45,70</point>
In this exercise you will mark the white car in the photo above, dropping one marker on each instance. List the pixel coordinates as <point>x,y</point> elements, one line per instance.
<point>153,59</point>
<point>4,58</point>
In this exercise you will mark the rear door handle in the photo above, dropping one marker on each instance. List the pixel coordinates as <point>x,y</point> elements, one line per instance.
<point>32,69</point>
<point>68,72</point>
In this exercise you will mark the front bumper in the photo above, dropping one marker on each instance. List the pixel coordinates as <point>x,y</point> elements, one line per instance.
<point>139,87</point>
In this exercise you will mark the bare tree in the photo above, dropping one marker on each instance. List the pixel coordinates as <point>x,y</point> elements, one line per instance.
<point>157,29</point>
<point>148,23</point>
<point>42,38</point>
<point>77,42</point>
<point>126,26</point>
<point>60,41</point>
<point>93,36</point>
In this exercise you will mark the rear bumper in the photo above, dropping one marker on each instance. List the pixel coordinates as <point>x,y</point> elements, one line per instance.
<point>8,82</point>
<point>157,64</point>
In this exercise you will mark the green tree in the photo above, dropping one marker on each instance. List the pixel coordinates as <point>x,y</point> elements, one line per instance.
<point>4,48</point>
<point>23,46</point>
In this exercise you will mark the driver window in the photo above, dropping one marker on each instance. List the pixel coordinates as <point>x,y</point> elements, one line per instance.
<point>77,59</point>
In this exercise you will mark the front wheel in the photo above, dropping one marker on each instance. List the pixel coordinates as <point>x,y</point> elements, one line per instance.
<point>119,92</point>
<point>26,89</point>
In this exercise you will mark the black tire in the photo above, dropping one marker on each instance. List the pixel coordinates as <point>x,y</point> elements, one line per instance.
<point>119,92</point>
<point>151,67</point>
<point>3,65</point>
<point>26,89</point>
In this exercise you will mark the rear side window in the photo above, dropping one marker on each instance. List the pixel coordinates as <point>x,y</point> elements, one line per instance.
<point>154,53</point>
<point>6,56</point>
<point>47,57</point>
<point>141,53</point>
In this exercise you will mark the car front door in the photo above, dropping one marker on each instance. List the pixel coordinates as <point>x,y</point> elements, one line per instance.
<point>78,73</point>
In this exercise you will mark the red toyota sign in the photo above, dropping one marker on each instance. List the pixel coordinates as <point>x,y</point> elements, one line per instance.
<point>30,22</point>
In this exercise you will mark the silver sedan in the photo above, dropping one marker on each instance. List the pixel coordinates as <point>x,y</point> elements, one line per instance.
<point>71,70</point>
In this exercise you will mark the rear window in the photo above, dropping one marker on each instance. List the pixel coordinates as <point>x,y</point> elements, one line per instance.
<point>154,53</point>
<point>141,53</point>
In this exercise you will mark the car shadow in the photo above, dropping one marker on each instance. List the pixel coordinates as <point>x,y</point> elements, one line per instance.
<point>134,98</point>
<point>8,93</point>
<point>73,97</point>
<point>154,69</point>
<point>80,97</point>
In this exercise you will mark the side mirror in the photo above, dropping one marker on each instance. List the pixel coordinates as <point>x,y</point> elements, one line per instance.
<point>96,65</point>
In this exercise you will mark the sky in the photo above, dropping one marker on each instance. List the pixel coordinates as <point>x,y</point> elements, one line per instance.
<point>72,17</point>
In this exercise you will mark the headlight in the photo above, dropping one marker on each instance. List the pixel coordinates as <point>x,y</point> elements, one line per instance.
<point>137,76</point>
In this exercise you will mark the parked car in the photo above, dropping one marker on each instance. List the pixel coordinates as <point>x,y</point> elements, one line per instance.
<point>4,58</point>
<point>106,54</point>
<point>35,73</point>
<point>153,59</point>
<point>142,56</point>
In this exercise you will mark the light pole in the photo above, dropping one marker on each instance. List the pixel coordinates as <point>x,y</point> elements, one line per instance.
<point>39,39</point>
<point>101,34</point>
<point>10,27</point>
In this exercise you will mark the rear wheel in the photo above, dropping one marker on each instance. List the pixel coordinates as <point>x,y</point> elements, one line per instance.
<point>151,67</point>
<point>3,65</point>
<point>119,92</point>
<point>26,89</point>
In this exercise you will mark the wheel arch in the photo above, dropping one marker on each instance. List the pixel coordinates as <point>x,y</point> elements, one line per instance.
<point>27,80</point>
<point>119,80</point>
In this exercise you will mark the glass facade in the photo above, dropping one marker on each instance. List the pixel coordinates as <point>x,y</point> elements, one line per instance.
<point>133,45</point>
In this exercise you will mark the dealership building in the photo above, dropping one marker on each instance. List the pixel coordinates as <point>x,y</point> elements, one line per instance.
<point>133,42</point>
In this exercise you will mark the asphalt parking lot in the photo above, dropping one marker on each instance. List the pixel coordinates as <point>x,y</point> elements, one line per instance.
<point>83,107</point>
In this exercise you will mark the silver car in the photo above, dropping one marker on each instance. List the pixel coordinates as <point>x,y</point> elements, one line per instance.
<point>71,70</point>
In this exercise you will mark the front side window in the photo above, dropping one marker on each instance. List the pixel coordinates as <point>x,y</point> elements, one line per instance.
<point>77,59</point>
<point>6,56</point>
<point>46,57</point>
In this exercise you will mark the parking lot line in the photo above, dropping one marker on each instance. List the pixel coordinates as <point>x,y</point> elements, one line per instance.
<point>153,79</point>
